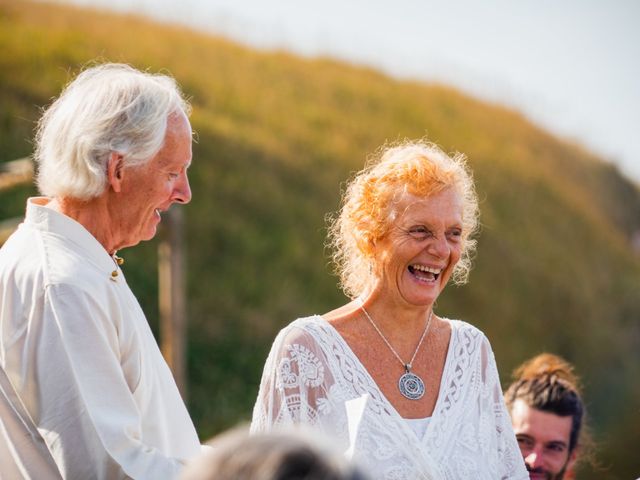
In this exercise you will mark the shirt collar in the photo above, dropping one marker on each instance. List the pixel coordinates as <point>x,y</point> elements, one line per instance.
<point>46,219</point>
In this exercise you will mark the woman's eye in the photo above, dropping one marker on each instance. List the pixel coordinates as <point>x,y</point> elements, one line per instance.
<point>419,232</point>
<point>455,234</point>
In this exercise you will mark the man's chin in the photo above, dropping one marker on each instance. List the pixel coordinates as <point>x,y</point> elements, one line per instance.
<point>540,476</point>
<point>148,234</point>
<point>133,241</point>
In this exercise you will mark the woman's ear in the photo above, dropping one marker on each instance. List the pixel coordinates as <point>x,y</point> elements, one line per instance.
<point>115,171</point>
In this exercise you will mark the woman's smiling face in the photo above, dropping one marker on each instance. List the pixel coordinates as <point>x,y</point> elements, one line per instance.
<point>416,257</point>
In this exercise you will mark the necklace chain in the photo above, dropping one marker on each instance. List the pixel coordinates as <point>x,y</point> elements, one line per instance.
<point>407,366</point>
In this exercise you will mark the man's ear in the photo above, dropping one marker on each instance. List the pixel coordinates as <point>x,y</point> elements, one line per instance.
<point>115,171</point>
<point>573,456</point>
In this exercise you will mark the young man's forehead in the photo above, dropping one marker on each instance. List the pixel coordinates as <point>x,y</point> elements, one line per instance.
<point>543,426</point>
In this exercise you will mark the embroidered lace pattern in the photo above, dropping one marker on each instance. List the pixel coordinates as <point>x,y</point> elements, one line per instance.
<point>311,374</point>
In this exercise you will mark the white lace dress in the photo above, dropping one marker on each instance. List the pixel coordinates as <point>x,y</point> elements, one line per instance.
<point>312,376</point>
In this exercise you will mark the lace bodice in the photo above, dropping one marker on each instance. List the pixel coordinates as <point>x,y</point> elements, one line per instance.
<point>312,376</point>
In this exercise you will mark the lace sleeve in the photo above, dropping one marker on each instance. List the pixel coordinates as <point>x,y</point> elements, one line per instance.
<point>295,383</point>
<point>510,464</point>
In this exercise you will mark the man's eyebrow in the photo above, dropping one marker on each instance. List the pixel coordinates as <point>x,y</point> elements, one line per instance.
<point>557,443</point>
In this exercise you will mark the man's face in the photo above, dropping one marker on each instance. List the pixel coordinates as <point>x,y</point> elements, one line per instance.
<point>150,189</point>
<point>543,438</point>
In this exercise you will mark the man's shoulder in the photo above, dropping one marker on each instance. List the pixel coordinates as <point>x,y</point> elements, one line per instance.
<point>20,256</point>
<point>30,253</point>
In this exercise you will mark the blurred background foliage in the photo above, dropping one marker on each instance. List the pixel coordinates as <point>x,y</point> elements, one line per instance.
<point>278,135</point>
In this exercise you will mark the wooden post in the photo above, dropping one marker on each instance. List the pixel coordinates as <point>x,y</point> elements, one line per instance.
<point>171,292</point>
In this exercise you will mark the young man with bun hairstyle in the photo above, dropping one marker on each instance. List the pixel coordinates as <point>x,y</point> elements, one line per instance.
<point>547,413</point>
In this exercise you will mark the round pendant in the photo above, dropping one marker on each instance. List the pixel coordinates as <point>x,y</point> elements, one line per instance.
<point>411,386</point>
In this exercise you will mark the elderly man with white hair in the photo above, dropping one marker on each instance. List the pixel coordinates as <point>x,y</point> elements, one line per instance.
<point>84,390</point>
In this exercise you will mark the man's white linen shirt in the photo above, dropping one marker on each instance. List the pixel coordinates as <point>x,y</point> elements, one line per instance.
<point>81,358</point>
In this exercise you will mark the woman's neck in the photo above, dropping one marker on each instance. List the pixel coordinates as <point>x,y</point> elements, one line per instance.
<point>395,317</point>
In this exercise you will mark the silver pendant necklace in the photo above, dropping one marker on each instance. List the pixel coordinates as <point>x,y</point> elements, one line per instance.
<point>410,385</point>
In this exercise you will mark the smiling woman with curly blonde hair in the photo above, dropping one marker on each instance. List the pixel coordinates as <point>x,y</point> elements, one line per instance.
<point>406,392</point>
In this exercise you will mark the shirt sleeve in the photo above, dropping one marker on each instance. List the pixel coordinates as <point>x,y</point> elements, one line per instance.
<point>87,413</point>
<point>510,464</point>
<point>297,385</point>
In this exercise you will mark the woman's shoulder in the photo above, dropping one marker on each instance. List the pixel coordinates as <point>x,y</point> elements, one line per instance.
<point>462,326</point>
<point>308,338</point>
<point>305,323</point>
<point>310,327</point>
<point>465,331</point>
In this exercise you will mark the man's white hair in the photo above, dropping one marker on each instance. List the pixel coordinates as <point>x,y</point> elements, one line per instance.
<point>107,108</point>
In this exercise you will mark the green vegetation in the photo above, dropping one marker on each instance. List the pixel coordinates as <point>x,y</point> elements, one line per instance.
<point>277,135</point>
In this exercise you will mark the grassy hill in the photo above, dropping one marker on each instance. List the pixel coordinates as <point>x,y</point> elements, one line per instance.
<point>277,135</point>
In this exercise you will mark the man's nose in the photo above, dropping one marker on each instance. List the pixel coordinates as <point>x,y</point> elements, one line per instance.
<point>534,459</point>
<point>182,189</point>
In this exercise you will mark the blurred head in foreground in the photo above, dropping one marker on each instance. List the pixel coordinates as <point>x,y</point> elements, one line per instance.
<point>547,414</point>
<point>280,455</point>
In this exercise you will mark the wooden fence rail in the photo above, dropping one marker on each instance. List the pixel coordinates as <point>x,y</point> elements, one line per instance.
<point>15,172</point>
<point>12,174</point>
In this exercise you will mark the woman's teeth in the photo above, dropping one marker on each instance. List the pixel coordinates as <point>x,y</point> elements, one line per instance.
<point>424,272</point>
